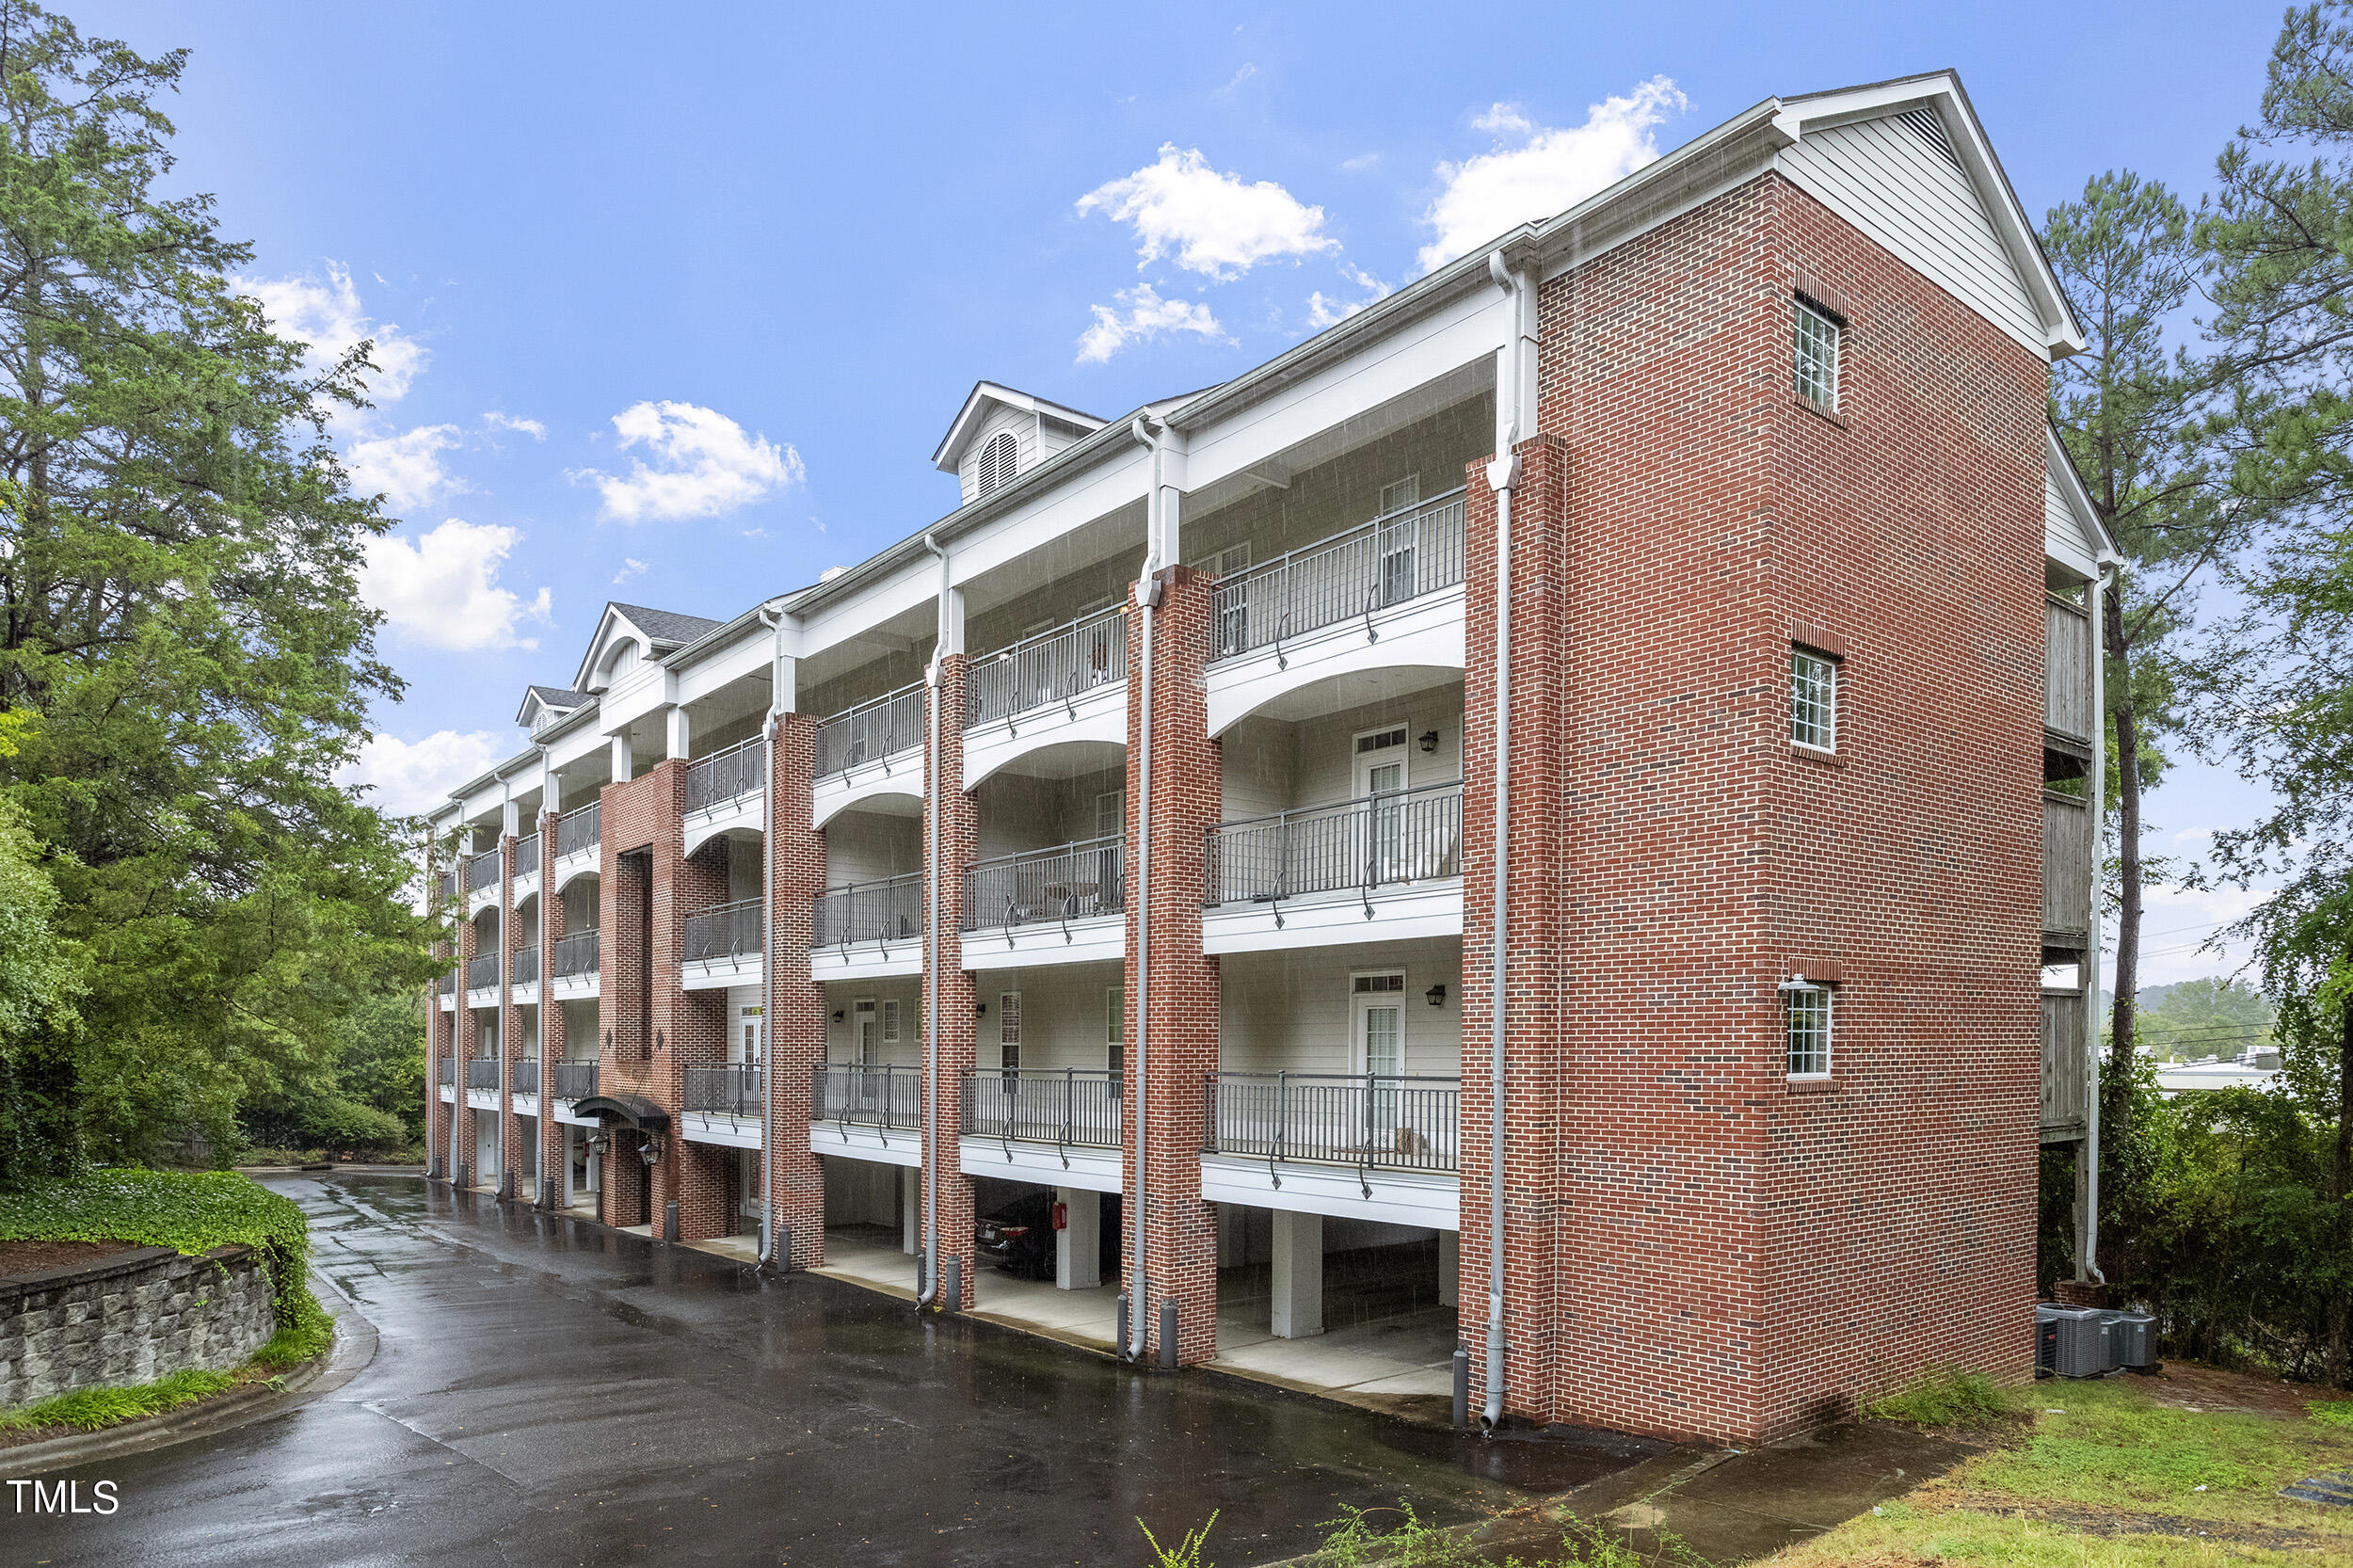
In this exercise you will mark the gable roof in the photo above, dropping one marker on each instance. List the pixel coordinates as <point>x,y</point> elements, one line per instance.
<point>988,394</point>
<point>664,631</point>
<point>556,699</point>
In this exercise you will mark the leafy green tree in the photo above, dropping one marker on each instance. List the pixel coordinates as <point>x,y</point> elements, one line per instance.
<point>2220,1016</point>
<point>179,550</point>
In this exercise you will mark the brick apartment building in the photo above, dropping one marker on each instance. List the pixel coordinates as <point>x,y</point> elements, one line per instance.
<point>1683,597</point>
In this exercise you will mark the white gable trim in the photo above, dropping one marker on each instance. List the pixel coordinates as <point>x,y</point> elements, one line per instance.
<point>2073,531</point>
<point>611,628</point>
<point>984,395</point>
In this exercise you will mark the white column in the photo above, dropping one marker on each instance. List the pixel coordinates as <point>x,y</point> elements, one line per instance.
<point>1298,1275</point>
<point>1449,1267</point>
<point>910,1209</point>
<point>571,1140</point>
<point>1078,1245</point>
<point>623,764</point>
<point>677,728</point>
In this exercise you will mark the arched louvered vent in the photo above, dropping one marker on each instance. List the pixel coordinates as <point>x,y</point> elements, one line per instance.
<point>997,463</point>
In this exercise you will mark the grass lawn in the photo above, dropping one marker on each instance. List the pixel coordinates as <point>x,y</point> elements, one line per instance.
<point>2181,1468</point>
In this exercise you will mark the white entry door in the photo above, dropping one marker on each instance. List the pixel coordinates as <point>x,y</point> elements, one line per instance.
<point>863,1030</point>
<point>1381,783</point>
<point>1379,1039</point>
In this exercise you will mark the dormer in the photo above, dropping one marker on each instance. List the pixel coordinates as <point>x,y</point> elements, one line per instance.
<point>544,706</point>
<point>629,635</point>
<point>1001,433</point>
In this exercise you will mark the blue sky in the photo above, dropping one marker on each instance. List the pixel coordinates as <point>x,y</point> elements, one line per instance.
<point>675,303</point>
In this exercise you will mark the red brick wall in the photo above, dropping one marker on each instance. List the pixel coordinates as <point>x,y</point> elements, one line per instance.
<point>795,1027</point>
<point>550,1193</point>
<point>1732,1257</point>
<point>510,1023</point>
<point>1179,1049</point>
<point>959,837</point>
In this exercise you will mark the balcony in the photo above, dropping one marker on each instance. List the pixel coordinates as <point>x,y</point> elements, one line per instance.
<point>862,1111</point>
<point>2067,656</point>
<point>482,881</point>
<point>1057,1127</point>
<point>445,886</point>
<point>2067,868</point>
<point>523,971</point>
<point>723,1105</point>
<point>2066,1068</point>
<point>868,930</point>
<point>526,867</point>
<point>482,980</point>
<point>1386,594</point>
<point>876,748</point>
<point>726,790</point>
<point>1067,685</point>
<point>1061,905</point>
<point>723,946</point>
<point>522,1077</point>
<point>572,966</point>
<point>448,1076</point>
<point>578,842</point>
<point>572,1080</point>
<point>445,989</point>
<point>1362,1145</point>
<point>481,1082</point>
<point>1380,867</point>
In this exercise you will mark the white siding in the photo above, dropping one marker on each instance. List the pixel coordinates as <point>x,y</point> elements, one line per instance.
<point>872,846</point>
<point>2063,537</point>
<point>843,996</point>
<point>1063,1014</point>
<point>1000,419</point>
<point>1274,765</point>
<point>1886,180</point>
<point>1293,1012</point>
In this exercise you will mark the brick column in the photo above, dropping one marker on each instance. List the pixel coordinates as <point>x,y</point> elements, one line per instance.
<point>440,1046</point>
<point>510,1023</point>
<point>1537,917</point>
<point>959,841</point>
<point>1179,1047</point>
<point>638,961</point>
<point>795,1027</point>
<point>461,1119</point>
<point>551,1188</point>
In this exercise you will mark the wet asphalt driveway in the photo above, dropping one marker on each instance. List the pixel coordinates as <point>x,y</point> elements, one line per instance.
<point>549,1392</point>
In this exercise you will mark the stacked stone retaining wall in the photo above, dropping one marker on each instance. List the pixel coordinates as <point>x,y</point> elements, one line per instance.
<point>130,1318</point>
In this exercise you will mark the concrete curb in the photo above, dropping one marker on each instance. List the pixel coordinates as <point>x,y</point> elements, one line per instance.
<point>354,1348</point>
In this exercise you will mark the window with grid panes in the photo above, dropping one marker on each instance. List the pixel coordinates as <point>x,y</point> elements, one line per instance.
<point>1806,1012</point>
<point>1812,699</point>
<point>1815,358</point>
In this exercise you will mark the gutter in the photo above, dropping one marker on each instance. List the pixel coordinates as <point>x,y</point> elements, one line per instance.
<point>1147,599</point>
<point>771,617</point>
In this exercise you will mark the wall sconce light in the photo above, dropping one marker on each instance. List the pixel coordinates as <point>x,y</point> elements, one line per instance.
<point>1436,994</point>
<point>980,1010</point>
<point>608,1039</point>
<point>1429,743</point>
<point>657,1040</point>
<point>837,1014</point>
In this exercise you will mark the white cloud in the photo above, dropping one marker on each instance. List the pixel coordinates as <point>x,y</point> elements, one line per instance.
<point>1143,315</point>
<point>1217,226</point>
<point>409,779</point>
<point>499,419</point>
<point>326,313</point>
<point>405,469</point>
<point>442,589</point>
<point>1235,81</point>
<point>706,465</point>
<point>1536,171</point>
<point>630,566</point>
<point>1322,310</point>
<point>1361,162</point>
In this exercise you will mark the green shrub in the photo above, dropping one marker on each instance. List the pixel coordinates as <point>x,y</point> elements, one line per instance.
<point>2333,1412</point>
<point>1945,1398</point>
<point>89,1409</point>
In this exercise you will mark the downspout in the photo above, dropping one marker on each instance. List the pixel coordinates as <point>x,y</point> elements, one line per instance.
<point>1502,475</point>
<point>930,1219</point>
<point>773,621</point>
<point>1147,599</point>
<point>2095,794</point>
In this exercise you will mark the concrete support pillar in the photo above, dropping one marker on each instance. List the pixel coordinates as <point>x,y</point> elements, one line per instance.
<point>623,763</point>
<point>1178,1048</point>
<point>910,1210</point>
<point>675,728</point>
<point>794,1030</point>
<point>1078,1245</point>
<point>1450,1268</point>
<point>1298,1275</point>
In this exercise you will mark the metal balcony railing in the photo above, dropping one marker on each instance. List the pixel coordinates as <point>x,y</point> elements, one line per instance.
<point>572,1080</point>
<point>449,1071</point>
<point>1069,882</point>
<point>1402,554</point>
<point>446,885</point>
<point>527,856</point>
<point>871,731</point>
<point>525,968</point>
<point>1053,666</point>
<point>733,1090</point>
<point>868,912</point>
<point>482,971</point>
<point>857,1095</point>
<point>726,932</point>
<point>574,953</point>
<point>1372,1120</point>
<point>445,983</point>
<point>724,775</point>
<point>482,871</point>
<point>523,1076</point>
<point>1375,842</point>
<point>579,829</point>
<point>482,1072</point>
<point>1076,1107</point>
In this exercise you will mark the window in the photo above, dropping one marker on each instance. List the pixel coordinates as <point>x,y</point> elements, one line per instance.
<point>1009,1030</point>
<point>1812,699</point>
<point>997,463</point>
<point>1115,1026</point>
<point>1816,356</point>
<point>890,1020</point>
<point>1806,1010</point>
<point>1396,498</point>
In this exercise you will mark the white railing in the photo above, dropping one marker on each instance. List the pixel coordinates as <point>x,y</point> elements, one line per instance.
<point>1415,550</point>
<point>1053,666</point>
